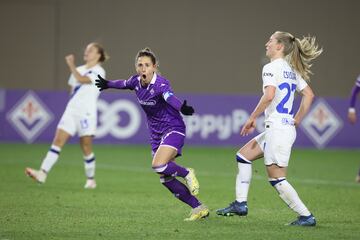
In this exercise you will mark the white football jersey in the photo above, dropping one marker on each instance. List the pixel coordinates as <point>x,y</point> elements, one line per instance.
<point>84,95</point>
<point>280,74</point>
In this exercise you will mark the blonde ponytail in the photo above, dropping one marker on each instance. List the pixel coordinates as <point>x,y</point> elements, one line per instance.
<point>299,52</point>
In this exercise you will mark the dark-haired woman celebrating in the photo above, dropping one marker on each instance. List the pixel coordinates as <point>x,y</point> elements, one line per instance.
<point>166,126</point>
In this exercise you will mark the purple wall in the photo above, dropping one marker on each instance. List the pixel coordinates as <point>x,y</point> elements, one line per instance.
<point>28,116</point>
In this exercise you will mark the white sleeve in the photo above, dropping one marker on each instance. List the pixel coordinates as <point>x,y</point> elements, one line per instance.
<point>268,76</point>
<point>358,81</point>
<point>72,81</point>
<point>301,83</point>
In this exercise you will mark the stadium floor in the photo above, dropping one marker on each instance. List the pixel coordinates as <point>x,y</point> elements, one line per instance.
<point>130,202</point>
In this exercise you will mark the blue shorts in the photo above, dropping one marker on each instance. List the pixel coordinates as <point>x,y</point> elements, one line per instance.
<point>173,139</point>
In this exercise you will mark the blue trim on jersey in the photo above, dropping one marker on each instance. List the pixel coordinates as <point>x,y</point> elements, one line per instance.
<point>75,91</point>
<point>92,72</point>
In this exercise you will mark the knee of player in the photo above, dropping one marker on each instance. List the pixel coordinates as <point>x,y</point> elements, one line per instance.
<point>86,147</point>
<point>59,142</point>
<point>159,169</point>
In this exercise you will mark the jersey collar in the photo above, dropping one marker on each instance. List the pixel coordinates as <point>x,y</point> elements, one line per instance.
<point>153,80</point>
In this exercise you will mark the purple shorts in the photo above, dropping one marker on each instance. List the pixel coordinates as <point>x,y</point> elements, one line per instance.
<point>173,139</point>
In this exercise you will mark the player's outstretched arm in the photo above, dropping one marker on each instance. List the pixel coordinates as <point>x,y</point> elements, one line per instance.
<point>171,99</point>
<point>101,83</point>
<point>186,109</point>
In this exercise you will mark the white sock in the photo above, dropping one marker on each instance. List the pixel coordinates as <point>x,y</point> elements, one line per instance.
<point>50,158</point>
<point>89,164</point>
<point>288,194</point>
<point>243,178</point>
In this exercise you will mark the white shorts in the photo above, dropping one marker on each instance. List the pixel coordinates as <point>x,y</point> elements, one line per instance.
<point>83,124</point>
<point>276,143</point>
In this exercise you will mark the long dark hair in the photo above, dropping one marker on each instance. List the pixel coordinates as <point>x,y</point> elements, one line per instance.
<point>146,52</point>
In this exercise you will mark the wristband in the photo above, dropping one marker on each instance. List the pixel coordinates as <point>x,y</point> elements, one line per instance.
<point>352,110</point>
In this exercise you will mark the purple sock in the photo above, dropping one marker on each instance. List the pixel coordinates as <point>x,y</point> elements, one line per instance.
<point>171,169</point>
<point>180,191</point>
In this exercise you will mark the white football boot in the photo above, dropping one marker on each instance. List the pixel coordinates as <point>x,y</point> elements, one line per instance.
<point>90,184</point>
<point>37,175</point>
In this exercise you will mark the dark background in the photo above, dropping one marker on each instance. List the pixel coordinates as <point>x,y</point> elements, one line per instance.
<point>203,46</point>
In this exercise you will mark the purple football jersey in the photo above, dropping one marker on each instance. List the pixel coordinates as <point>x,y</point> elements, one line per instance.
<point>161,116</point>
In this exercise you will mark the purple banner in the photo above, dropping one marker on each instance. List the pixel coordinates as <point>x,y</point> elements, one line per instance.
<point>29,116</point>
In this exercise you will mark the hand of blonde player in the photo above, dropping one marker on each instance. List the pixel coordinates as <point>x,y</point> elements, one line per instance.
<point>248,127</point>
<point>70,60</point>
<point>352,117</point>
<point>296,122</point>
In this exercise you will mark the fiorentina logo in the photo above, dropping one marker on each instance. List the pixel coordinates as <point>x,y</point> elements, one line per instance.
<point>29,116</point>
<point>321,124</point>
